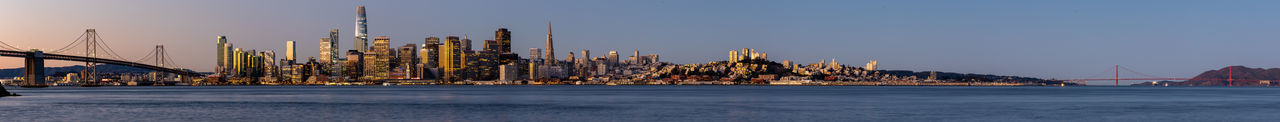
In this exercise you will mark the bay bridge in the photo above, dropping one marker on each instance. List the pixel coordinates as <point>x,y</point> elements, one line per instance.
<point>92,50</point>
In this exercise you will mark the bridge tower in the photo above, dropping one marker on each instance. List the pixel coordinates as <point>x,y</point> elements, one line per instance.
<point>89,76</point>
<point>160,61</point>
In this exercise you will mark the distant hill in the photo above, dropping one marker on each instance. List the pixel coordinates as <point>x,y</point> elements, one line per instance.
<point>1244,76</point>
<point>52,71</point>
<point>951,76</point>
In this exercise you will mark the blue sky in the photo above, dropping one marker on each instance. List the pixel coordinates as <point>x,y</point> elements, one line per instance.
<point>1048,39</point>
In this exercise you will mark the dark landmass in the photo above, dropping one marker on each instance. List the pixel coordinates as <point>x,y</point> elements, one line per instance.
<point>60,71</point>
<point>969,77</point>
<point>5,92</point>
<point>1244,76</point>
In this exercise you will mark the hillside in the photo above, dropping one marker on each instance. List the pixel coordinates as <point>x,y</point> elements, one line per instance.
<point>52,71</point>
<point>1244,76</point>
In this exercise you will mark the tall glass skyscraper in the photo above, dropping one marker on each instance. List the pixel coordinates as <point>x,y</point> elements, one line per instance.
<point>222,54</point>
<point>362,34</point>
<point>289,52</point>
<point>329,55</point>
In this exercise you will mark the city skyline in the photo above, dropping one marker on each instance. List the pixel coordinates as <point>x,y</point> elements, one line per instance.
<point>1012,55</point>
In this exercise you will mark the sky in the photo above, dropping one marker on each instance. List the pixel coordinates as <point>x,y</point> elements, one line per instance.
<point>1045,39</point>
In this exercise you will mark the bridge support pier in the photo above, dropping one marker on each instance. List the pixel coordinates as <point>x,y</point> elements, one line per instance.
<point>34,70</point>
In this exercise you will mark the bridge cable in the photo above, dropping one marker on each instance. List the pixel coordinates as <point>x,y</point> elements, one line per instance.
<point>169,59</point>
<point>148,55</point>
<point>69,46</point>
<point>1139,73</point>
<point>110,51</point>
<point>10,47</point>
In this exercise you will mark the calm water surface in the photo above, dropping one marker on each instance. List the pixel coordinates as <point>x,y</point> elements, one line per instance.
<point>640,103</point>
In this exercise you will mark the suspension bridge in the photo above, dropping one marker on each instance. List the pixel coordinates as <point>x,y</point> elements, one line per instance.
<point>91,49</point>
<point>1231,80</point>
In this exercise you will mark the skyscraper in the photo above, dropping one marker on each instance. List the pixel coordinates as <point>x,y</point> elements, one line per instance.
<point>222,54</point>
<point>551,55</point>
<point>381,64</point>
<point>355,65</point>
<point>570,58</point>
<point>451,58</point>
<point>334,52</point>
<point>408,60</point>
<point>333,62</point>
<point>326,54</point>
<point>503,37</point>
<point>466,42</point>
<point>362,34</point>
<point>586,55</point>
<point>612,58</point>
<point>535,54</point>
<point>289,52</point>
<point>228,57</point>
<point>432,55</point>
<point>237,61</point>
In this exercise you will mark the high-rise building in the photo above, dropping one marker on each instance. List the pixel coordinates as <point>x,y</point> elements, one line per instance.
<point>535,54</point>
<point>382,61</point>
<point>326,55</point>
<point>503,36</point>
<point>570,58</point>
<point>222,54</point>
<point>635,57</point>
<point>431,57</point>
<point>586,56</point>
<point>612,58</point>
<point>371,66</point>
<point>466,42</point>
<point>408,60</point>
<point>354,65</point>
<point>491,45</point>
<point>228,56</point>
<point>871,65</point>
<point>237,64</point>
<point>508,72</point>
<point>362,34</point>
<point>551,55</point>
<point>334,61</point>
<point>290,52</point>
<point>451,58</point>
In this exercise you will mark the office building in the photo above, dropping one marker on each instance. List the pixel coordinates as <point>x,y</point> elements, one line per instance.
<point>871,65</point>
<point>431,54</point>
<point>612,58</point>
<point>289,52</point>
<point>509,72</point>
<point>451,58</point>
<point>355,65</point>
<point>229,57</point>
<point>361,38</point>
<point>325,54</point>
<point>551,55</point>
<point>381,63</point>
<point>503,37</point>
<point>408,55</point>
<point>466,43</point>
<point>222,54</point>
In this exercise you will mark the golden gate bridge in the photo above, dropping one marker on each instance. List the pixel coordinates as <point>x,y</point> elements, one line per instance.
<point>1230,77</point>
